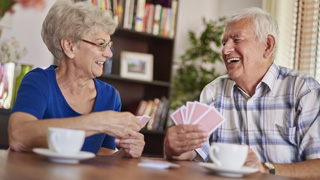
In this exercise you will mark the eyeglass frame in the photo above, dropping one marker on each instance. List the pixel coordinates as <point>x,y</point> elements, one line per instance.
<point>102,46</point>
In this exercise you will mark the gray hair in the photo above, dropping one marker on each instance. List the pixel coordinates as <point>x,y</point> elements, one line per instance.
<point>71,20</point>
<point>263,23</point>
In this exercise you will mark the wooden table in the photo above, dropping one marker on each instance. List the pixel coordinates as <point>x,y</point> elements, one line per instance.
<point>31,166</point>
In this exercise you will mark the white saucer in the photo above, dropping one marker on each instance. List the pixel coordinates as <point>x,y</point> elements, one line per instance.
<point>64,158</point>
<point>228,172</point>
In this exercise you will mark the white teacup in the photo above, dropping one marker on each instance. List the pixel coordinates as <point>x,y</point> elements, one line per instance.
<point>228,156</point>
<point>65,141</point>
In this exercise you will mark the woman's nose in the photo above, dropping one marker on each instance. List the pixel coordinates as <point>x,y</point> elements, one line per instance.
<point>107,52</point>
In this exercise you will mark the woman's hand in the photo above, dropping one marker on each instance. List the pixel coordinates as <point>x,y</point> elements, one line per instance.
<point>120,124</point>
<point>133,145</point>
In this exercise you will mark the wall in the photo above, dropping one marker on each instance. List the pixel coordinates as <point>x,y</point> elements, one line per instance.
<point>26,25</point>
<point>190,13</point>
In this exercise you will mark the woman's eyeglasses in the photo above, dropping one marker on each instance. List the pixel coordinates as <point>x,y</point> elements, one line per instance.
<point>102,46</point>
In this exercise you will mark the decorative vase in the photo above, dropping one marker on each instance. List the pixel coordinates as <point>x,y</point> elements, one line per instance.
<point>6,84</point>
<point>25,68</point>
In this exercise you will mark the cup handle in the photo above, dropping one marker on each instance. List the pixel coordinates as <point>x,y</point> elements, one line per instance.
<point>53,139</point>
<point>214,159</point>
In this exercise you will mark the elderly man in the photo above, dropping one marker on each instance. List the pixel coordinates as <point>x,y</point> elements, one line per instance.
<point>274,110</point>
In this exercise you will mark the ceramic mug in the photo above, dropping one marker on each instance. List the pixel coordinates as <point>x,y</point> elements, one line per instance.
<point>228,156</point>
<point>65,141</point>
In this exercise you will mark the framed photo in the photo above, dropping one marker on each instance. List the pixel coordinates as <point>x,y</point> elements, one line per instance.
<point>138,66</point>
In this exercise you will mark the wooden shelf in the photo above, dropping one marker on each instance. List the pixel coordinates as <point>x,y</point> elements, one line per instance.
<point>139,35</point>
<point>117,77</point>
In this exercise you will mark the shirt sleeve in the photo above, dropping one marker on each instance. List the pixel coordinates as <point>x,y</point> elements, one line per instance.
<point>203,153</point>
<point>308,126</point>
<point>31,96</point>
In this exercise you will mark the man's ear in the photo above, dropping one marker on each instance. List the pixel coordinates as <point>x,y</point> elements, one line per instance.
<point>270,45</point>
<point>68,47</point>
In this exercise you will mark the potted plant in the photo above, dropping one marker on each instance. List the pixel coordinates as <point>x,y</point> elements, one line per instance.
<point>197,66</point>
<point>10,53</point>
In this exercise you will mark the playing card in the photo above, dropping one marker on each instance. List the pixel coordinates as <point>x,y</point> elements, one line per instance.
<point>198,109</point>
<point>198,113</point>
<point>177,117</point>
<point>210,120</point>
<point>157,164</point>
<point>183,114</point>
<point>189,108</point>
<point>143,120</point>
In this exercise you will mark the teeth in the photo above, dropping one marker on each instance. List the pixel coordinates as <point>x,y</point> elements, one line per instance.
<point>233,59</point>
<point>100,62</point>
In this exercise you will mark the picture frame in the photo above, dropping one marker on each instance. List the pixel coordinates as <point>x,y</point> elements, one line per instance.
<point>135,65</point>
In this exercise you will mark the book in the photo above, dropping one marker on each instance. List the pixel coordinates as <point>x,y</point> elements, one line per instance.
<point>155,107</point>
<point>141,108</point>
<point>126,13</point>
<point>174,7</point>
<point>149,25</point>
<point>145,17</point>
<point>161,19</point>
<point>120,11</point>
<point>162,113</point>
<point>141,4</point>
<point>164,21</point>
<point>156,21</point>
<point>166,29</point>
<point>132,13</point>
<point>148,108</point>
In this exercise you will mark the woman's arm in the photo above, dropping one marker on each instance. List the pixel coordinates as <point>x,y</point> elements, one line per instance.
<point>26,131</point>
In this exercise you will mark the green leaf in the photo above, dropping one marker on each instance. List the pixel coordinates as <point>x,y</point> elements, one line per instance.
<point>190,78</point>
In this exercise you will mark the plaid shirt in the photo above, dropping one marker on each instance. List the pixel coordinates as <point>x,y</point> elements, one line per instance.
<point>280,122</point>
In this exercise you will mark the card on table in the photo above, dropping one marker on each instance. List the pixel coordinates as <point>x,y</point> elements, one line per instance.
<point>157,164</point>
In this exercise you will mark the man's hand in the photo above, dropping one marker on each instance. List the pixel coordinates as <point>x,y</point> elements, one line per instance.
<point>183,138</point>
<point>254,162</point>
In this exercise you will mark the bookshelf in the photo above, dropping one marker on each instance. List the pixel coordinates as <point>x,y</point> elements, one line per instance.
<point>132,91</point>
<point>144,40</point>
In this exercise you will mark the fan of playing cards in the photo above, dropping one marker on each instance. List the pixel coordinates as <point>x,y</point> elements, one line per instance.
<point>198,113</point>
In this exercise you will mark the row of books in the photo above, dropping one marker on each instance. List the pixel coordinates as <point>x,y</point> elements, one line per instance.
<point>157,109</point>
<point>141,16</point>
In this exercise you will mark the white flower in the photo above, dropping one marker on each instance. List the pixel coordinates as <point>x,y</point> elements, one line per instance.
<point>10,51</point>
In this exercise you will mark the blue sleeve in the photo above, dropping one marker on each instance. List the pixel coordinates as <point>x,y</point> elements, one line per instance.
<point>107,99</point>
<point>109,141</point>
<point>32,96</point>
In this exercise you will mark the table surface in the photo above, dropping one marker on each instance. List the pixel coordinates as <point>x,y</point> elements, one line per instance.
<point>29,166</point>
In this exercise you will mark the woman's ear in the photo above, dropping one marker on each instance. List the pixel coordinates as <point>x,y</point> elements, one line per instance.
<point>68,47</point>
<point>270,45</point>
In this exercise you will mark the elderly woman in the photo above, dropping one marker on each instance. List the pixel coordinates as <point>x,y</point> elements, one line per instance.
<point>69,95</point>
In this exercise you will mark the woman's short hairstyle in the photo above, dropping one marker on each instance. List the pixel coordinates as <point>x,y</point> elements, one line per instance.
<point>263,23</point>
<point>71,20</point>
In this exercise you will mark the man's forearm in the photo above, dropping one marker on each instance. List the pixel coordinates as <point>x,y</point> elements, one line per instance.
<point>305,170</point>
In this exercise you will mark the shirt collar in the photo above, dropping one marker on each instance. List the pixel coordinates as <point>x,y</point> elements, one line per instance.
<point>271,76</point>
